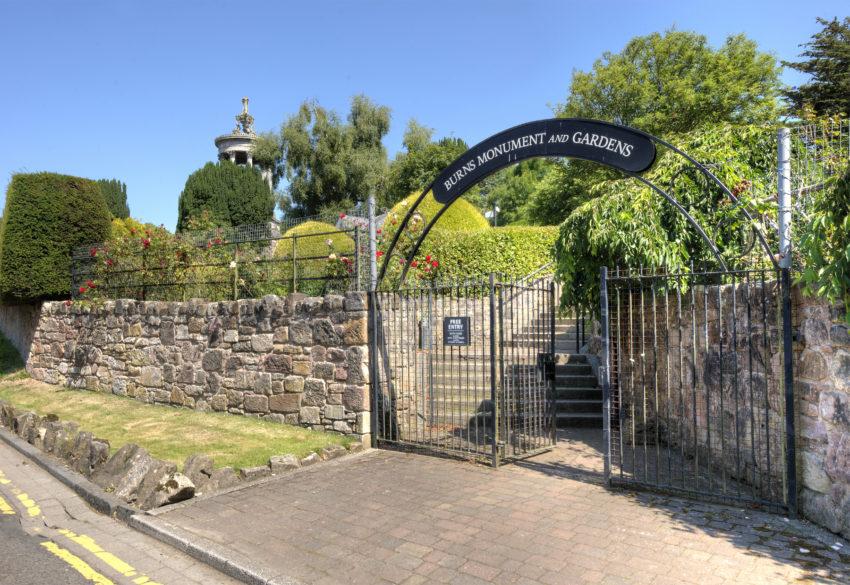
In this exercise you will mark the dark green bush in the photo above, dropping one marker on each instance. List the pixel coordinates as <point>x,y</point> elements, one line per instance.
<point>233,195</point>
<point>115,194</point>
<point>45,218</point>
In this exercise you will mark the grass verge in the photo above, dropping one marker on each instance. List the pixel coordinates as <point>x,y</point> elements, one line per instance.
<point>171,434</point>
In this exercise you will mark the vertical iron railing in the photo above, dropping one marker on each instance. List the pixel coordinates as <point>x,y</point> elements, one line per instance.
<point>697,399</point>
<point>488,397</point>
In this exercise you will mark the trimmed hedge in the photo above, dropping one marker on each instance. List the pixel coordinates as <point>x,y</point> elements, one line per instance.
<point>512,250</point>
<point>46,216</point>
<point>316,246</point>
<point>233,195</point>
<point>461,216</point>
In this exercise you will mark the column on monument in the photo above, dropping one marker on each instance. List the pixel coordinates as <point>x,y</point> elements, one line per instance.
<point>232,156</point>
<point>250,160</point>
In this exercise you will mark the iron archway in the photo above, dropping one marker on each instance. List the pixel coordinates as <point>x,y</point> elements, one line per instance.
<point>630,151</point>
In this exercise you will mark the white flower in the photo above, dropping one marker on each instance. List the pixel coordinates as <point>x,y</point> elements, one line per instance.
<point>233,263</point>
<point>329,242</point>
<point>332,256</point>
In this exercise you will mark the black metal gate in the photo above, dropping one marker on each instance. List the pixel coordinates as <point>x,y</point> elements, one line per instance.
<point>697,384</point>
<point>465,368</point>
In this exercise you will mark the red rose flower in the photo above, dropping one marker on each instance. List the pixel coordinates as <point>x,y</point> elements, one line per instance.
<point>83,289</point>
<point>414,263</point>
<point>428,258</point>
<point>379,253</point>
<point>435,263</point>
<point>342,216</point>
<point>146,243</point>
<point>93,252</point>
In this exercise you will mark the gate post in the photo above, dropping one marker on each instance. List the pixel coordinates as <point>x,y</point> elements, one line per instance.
<point>606,377</point>
<point>788,363</point>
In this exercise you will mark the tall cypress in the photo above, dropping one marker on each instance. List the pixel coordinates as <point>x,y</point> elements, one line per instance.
<point>115,195</point>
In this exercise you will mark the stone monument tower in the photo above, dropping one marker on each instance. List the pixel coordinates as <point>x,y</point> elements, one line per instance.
<point>236,146</point>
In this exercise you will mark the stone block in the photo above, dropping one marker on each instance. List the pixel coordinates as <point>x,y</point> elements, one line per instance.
<point>355,301</point>
<point>294,384</point>
<point>221,479</point>
<point>302,368</point>
<point>277,363</point>
<point>355,331</point>
<point>213,360</point>
<point>285,403</point>
<point>813,366</point>
<point>314,392</point>
<point>355,398</point>
<point>300,333</point>
<point>254,473</point>
<point>814,474</point>
<point>310,415</point>
<point>334,412</point>
<point>323,370</point>
<point>262,342</point>
<point>283,463</point>
<point>256,403</point>
<point>199,469</point>
<point>310,459</point>
<point>171,488</point>
<point>218,402</point>
<point>332,452</point>
<point>324,333</point>
<point>341,426</point>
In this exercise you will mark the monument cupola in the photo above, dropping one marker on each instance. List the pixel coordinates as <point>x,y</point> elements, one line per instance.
<point>238,145</point>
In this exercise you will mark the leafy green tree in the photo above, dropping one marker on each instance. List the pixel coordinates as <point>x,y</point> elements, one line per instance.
<point>676,82</point>
<point>511,189</point>
<point>329,162</point>
<point>233,195</point>
<point>827,60</point>
<point>266,153</point>
<point>413,170</point>
<point>115,194</point>
<point>46,217</point>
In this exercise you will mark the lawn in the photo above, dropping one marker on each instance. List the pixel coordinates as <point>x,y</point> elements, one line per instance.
<point>171,434</point>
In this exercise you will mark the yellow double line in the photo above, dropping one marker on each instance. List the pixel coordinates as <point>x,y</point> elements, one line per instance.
<point>86,542</point>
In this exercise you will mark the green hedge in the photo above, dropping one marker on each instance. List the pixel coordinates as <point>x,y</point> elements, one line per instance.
<point>315,246</point>
<point>512,250</point>
<point>45,218</point>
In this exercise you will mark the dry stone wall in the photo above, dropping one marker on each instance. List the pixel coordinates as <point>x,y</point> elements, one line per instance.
<point>299,360</point>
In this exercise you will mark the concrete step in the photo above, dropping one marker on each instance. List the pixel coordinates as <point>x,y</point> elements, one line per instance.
<point>577,419</point>
<point>567,380</point>
<point>574,405</point>
<point>578,393</point>
<point>563,358</point>
<point>574,370</point>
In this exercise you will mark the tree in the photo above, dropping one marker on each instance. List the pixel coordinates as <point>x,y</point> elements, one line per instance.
<point>330,163</point>
<point>46,217</point>
<point>233,195</point>
<point>511,189</point>
<point>413,170</point>
<point>675,82</point>
<point>266,153</point>
<point>115,195</point>
<point>827,61</point>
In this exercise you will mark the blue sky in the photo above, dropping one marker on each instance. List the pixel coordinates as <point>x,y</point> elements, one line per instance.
<point>139,90</point>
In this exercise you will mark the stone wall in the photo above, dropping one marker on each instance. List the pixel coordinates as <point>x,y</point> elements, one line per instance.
<point>18,324</point>
<point>300,360</point>
<point>822,389</point>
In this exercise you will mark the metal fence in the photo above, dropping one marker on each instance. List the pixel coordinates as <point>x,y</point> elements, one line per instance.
<point>465,367</point>
<point>695,384</point>
<point>226,264</point>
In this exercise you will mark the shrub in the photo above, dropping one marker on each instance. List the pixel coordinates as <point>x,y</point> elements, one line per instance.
<point>825,242</point>
<point>115,194</point>
<point>512,250</point>
<point>46,216</point>
<point>233,195</point>
<point>461,216</point>
<point>318,255</point>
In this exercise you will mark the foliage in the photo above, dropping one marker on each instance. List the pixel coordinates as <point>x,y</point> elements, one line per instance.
<point>321,252</point>
<point>827,61</point>
<point>266,153</point>
<point>413,170</point>
<point>626,223</point>
<point>121,227</point>
<point>512,189</point>
<point>328,161</point>
<point>232,194</point>
<point>115,194</point>
<point>461,216</point>
<point>825,242</point>
<point>676,82</point>
<point>46,216</point>
<point>512,250</point>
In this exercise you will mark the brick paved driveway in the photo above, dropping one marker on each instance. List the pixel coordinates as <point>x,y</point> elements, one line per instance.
<point>388,517</point>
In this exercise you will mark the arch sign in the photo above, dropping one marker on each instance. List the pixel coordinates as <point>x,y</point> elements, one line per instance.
<point>630,151</point>
<point>614,146</point>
